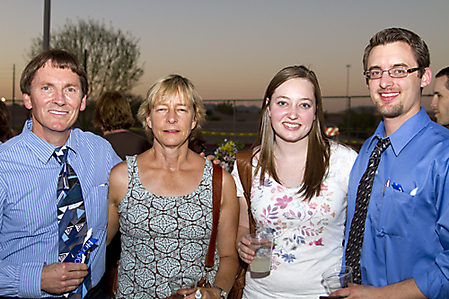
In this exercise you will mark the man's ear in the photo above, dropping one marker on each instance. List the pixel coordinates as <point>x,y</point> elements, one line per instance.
<point>426,77</point>
<point>83,103</point>
<point>27,101</point>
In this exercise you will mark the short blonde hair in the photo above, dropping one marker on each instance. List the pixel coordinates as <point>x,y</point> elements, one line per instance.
<point>166,88</point>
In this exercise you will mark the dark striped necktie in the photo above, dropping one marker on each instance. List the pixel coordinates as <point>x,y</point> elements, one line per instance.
<point>357,231</point>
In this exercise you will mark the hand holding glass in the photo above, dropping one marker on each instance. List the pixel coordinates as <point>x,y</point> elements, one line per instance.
<point>182,285</point>
<point>337,278</point>
<point>262,246</point>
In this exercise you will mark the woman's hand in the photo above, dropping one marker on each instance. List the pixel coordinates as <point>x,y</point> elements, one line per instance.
<point>245,253</point>
<point>207,293</point>
<point>212,158</point>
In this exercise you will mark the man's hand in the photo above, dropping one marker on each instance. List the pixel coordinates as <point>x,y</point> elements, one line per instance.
<point>354,290</point>
<point>406,289</point>
<point>60,278</point>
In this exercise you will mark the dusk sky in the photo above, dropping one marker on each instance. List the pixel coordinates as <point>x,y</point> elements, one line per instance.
<point>231,49</point>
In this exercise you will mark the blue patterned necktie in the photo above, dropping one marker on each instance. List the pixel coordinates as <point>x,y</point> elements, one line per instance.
<point>71,217</point>
<point>357,231</point>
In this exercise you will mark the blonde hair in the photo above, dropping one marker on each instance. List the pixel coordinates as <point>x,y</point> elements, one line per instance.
<point>166,88</point>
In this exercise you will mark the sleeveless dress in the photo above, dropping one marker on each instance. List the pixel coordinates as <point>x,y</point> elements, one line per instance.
<point>162,236</point>
<point>308,235</point>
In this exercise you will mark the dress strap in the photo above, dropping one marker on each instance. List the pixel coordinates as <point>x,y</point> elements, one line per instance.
<point>131,162</point>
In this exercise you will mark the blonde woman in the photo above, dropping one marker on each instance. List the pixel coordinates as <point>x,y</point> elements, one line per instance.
<point>163,201</point>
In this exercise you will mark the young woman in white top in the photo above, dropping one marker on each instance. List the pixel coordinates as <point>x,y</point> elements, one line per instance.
<point>299,189</point>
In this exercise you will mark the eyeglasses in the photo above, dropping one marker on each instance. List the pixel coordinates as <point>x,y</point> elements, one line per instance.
<point>395,72</point>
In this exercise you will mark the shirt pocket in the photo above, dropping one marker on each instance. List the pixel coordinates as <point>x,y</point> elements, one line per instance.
<point>96,201</point>
<point>396,212</point>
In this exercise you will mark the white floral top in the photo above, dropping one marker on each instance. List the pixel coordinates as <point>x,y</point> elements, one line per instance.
<point>308,235</point>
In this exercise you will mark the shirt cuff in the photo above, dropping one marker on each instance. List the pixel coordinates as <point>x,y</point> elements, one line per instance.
<point>431,282</point>
<point>30,280</point>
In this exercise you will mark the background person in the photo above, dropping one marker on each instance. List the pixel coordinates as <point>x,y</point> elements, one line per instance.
<point>113,117</point>
<point>197,142</point>
<point>54,87</point>
<point>409,200</point>
<point>304,205</point>
<point>440,101</point>
<point>163,201</point>
<point>5,130</point>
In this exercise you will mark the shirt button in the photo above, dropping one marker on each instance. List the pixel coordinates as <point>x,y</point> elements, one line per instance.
<point>381,233</point>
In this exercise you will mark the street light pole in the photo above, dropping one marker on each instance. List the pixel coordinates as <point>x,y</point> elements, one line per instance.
<point>47,24</point>
<point>349,101</point>
<point>13,93</point>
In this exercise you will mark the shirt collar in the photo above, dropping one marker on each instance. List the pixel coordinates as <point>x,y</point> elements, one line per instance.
<point>405,132</point>
<point>41,148</point>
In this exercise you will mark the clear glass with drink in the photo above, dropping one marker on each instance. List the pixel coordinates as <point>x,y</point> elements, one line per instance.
<point>262,245</point>
<point>337,278</point>
<point>182,285</point>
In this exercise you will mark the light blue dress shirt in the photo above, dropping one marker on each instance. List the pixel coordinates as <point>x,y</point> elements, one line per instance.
<point>407,226</point>
<point>28,208</point>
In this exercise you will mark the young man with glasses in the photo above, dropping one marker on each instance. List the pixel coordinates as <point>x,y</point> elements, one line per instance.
<point>404,231</point>
<point>440,101</point>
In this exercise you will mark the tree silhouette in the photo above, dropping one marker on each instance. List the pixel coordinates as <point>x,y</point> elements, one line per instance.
<point>109,56</point>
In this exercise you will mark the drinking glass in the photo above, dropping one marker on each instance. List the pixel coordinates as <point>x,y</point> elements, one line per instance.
<point>337,278</point>
<point>182,285</point>
<point>262,245</point>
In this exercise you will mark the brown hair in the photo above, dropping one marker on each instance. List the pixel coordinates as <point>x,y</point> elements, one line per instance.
<point>59,59</point>
<point>166,88</point>
<point>444,72</point>
<point>112,112</point>
<point>392,35</point>
<point>318,152</point>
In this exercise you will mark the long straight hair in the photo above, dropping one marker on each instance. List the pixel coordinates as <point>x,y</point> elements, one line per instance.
<point>318,152</point>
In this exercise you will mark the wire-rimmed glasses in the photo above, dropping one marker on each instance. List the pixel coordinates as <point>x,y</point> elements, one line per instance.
<point>394,72</point>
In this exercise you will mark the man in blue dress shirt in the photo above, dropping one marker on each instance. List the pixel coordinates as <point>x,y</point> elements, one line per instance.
<point>54,87</point>
<point>405,251</point>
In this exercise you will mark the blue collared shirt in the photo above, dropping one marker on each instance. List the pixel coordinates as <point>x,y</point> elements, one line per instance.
<point>407,227</point>
<point>28,208</point>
